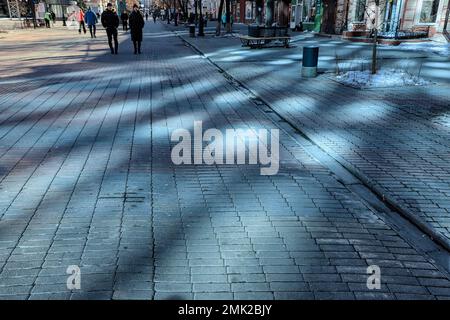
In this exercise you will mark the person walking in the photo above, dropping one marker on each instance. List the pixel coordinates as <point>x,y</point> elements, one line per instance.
<point>81,22</point>
<point>136,25</point>
<point>124,17</point>
<point>53,16</point>
<point>146,16</point>
<point>155,14</point>
<point>224,20</point>
<point>47,18</point>
<point>91,20</point>
<point>110,21</point>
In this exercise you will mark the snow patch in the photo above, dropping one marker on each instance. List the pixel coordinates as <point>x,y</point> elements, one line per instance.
<point>442,49</point>
<point>383,78</point>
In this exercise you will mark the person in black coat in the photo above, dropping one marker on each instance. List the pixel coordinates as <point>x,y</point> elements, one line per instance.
<point>110,22</point>
<point>124,18</point>
<point>136,25</point>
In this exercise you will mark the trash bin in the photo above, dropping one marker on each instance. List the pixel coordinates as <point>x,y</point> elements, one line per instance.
<point>192,30</point>
<point>253,30</point>
<point>309,61</point>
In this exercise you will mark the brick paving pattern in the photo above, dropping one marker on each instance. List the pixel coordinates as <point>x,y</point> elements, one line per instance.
<point>87,180</point>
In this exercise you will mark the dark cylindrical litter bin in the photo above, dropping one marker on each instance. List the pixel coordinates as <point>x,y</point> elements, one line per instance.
<point>192,30</point>
<point>309,61</point>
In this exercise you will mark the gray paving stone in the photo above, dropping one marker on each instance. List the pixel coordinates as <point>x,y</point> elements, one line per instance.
<point>249,287</point>
<point>173,296</point>
<point>213,296</point>
<point>172,287</point>
<point>253,296</point>
<point>211,287</point>
<point>133,295</point>
<point>289,286</point>
<point>294,296</point>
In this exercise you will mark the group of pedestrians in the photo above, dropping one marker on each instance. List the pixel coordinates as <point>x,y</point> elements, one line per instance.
<point>110,21</point>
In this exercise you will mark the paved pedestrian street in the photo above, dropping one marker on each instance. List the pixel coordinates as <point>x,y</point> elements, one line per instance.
<point>395,139</point>
<point>88,182</point>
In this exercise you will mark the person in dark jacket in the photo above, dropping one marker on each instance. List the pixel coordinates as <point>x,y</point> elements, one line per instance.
<point>110,22</point>
<point>136,25</point>
<point>91,19</point>
<point>124,18</point>
<point>53,15</point>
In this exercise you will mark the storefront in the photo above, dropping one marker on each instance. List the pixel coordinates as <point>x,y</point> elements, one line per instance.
<point>304,12</point>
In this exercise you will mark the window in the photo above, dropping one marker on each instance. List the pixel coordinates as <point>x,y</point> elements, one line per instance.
<point>249,10</point>
<point>428,12</point>
<point>4,9</point>
<point>360,10</point>
<point>309,10</point>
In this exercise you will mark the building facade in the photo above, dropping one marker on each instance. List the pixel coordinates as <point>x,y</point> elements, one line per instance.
<point>338,16</point>
<point>326,16</point>
<point>399,15</point>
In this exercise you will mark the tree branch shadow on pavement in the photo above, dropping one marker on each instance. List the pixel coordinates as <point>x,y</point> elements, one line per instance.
<point>161,118</point>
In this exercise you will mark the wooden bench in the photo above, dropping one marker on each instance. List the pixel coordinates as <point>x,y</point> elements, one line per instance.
<point>259,42</point>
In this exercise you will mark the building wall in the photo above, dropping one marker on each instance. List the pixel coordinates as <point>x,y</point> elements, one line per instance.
<point>369,16</point>
<point>412,15</point>
<point>410,11</point>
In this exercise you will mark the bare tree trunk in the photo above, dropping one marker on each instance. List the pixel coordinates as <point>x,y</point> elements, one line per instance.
<point>183,8</point>
<point>228,15</point>
<point>374,51</point>
<point>347,7</point>
<point>375,38</point>
<point>219,18</point>
<point>200,21</point>
<point>284,18</point>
